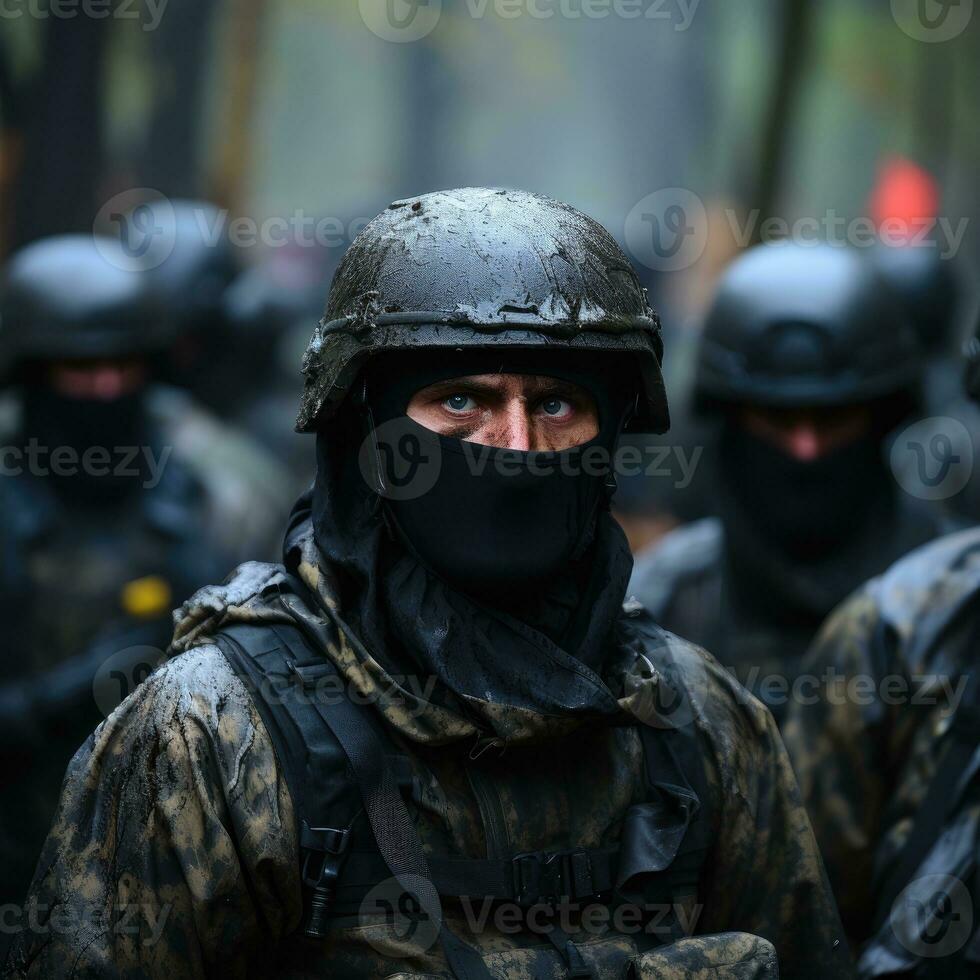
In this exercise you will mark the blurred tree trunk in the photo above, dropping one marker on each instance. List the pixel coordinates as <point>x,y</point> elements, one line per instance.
<point>181,46</point>
<point>792,52</point>
<point>246,24</point>
<point>62,153</point>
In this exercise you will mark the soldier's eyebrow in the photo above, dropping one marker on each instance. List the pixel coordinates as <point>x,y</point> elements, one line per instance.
<point>543,385</point>
<point>469,385</point>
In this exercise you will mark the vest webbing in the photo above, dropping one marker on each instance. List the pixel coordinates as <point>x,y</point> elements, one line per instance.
<point>339,763</point>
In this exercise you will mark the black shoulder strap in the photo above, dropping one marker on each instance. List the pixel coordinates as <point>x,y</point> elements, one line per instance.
<point>676,762</point>
<point>941,797</point>
<point>394,832</point>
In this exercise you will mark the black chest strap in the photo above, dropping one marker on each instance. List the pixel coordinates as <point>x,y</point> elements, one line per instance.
<point>395,834</point>
<point>338,764</point>
<point>941,797</point>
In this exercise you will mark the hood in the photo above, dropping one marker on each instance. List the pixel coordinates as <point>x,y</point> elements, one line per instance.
<point>417,707</point>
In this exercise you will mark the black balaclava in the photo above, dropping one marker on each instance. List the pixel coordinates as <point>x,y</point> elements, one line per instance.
<point>538,645</point>
<point>800,536</point>
<point>804,508</point>
<point>517,518</point>
<point>118,426</point>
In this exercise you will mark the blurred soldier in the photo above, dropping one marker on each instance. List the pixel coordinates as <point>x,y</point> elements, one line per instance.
<point>109,512</point>
<point>926,285</point>
<point>911,259</point>
<point>236,329</point>
<point>808,365</point>
<point>433,742</point>
<point>193,263</point>
<point>887,748</point>
<point>224,359</point>
<point>271,306</point>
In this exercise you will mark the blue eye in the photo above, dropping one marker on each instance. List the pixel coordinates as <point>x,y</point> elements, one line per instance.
<point>460,403</point>
<point>555,407</point>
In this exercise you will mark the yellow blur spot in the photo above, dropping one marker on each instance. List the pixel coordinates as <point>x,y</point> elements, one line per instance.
<point>146,597</point>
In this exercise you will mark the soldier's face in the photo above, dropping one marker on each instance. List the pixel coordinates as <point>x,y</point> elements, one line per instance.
<point>806,434</point>
<point>97,380</point>
<point>509,411</point>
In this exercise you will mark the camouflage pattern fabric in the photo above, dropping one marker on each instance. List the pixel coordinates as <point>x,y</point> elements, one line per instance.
<point>759,615</point>
<point>89,588</point>
<point>174,851</point>
<point>887,671</point>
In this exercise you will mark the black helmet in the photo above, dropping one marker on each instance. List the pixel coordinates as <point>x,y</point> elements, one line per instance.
<point>926,284</point>
<point>201,262</point>
<point>76,296</point>
<point>804,325</point>
<point>478,267</point>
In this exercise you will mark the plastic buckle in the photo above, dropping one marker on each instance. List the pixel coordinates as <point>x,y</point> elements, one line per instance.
<point>324,850</point>
<point>548,877</point>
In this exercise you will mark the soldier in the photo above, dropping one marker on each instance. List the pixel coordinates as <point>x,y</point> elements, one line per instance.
<point>110,514</point>
<point>433,742</point>
<point>807,366</point>
<point>885,745</point>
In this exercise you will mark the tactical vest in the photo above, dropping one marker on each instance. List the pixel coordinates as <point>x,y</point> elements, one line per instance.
<point>349,782</point>
<point>928,896</point>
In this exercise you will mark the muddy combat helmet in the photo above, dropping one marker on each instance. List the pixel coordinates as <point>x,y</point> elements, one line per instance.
<point>73,296</point>
<point>475,268</point>
<point>796,324</point>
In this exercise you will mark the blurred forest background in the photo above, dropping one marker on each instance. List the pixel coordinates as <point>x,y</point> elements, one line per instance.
<point>778,107</point>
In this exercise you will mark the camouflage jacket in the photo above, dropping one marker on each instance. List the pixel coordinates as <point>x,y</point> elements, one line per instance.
<point>83,584</point>
<point>174,851</point>
<point>759,621</point>
<point>866,736</point>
